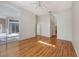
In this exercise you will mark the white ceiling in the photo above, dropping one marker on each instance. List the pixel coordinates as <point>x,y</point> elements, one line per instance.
<point>53,6</point>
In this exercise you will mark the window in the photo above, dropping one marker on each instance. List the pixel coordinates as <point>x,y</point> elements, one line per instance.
<point>13,27</point>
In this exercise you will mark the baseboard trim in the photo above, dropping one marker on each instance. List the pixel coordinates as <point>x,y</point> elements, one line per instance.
<point>28,38</point>
<point>53,36</point>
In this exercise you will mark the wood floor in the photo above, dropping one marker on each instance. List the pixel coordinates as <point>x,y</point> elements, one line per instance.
<point>38,47</point>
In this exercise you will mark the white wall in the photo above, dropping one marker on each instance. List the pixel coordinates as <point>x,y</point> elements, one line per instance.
<point>27,24</point>
<point>26,19</point>
<point>75,24</point>
<point>44,25</point>
<point>64,24</point>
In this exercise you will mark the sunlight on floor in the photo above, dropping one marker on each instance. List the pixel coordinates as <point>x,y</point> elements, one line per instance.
<point>46,43</point>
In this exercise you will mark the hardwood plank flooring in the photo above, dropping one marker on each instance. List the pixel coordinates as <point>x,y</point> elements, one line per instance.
<point>38,47</point>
